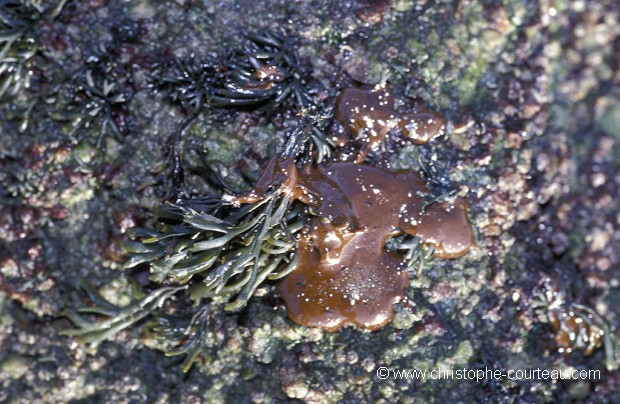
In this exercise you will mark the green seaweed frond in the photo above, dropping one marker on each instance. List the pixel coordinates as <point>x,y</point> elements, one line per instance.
<point>18,45</point>
<point>118,318</point>
<point>221,258</point>
<point>191,338</point>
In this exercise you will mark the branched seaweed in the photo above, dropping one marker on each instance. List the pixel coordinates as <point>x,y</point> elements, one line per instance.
<point>96,102</point>
<point>225,259</point>
<point>118,318</point>
<point>308,140</point>
<point>18,45</point>
<point>217,257</point>
<point>415,253</point>
<point>189,82</point>
<point>262,73</point>
<point>438,182</point>
<point>190,337</point>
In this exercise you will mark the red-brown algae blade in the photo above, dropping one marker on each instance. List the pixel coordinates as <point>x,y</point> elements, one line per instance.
<point>277,173</point>
<point>353,103</point>
<point>345,276</point>
<point>370,113</point>
<point>422,126</point>
<point>359,290</point>
<point>446,227</point>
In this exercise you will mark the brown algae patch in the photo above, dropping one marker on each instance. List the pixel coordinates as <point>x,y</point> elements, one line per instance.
<point>369,114</point>
<point>344,275</point>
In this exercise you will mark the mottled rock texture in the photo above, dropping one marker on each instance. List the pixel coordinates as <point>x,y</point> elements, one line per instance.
<point>531,94</point>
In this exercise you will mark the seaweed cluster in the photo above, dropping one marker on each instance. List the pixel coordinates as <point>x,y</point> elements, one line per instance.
<point>95,104</point>
<point>225,251</point>
<point>18,44</point>
<point>307,219</point>
<point>262,72</point>
<point>189,81</point>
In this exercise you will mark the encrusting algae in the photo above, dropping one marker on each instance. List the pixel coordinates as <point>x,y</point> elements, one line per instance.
<point>344,275</point>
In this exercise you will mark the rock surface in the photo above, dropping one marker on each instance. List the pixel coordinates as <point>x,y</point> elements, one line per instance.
<point>530,91</point>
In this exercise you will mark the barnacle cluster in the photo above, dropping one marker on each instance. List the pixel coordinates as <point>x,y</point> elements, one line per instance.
<point>319,219</point>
